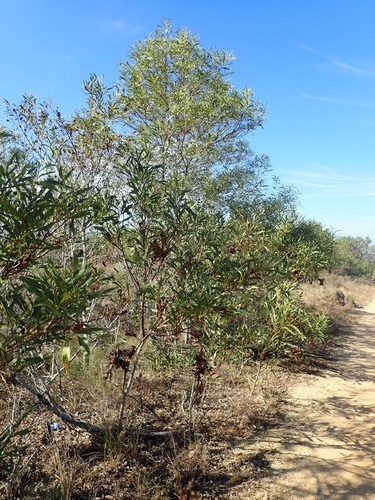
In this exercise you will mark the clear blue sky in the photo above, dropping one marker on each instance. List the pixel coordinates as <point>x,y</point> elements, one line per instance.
<point>310,62</point>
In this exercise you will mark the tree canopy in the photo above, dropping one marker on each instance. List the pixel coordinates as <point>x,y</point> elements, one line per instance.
<point>176,98</point>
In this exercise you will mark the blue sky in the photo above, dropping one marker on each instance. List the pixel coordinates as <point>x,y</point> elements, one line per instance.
<point>310,62</point>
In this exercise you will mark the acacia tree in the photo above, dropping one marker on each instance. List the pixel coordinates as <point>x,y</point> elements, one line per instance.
<point>176,97</point>
<point>144,225</point>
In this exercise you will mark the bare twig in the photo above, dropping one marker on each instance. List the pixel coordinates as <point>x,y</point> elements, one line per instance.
<point>255,381</point>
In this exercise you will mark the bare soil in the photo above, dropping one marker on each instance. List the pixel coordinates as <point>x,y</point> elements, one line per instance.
<point>325,448</point>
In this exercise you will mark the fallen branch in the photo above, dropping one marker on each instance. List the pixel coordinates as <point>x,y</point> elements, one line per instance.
<point>17,379</point>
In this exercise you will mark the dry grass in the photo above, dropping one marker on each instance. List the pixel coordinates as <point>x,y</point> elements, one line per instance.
<point>239,404</point>
<point>341,296</point>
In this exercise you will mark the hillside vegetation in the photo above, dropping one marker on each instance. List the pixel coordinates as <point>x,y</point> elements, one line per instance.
<point>155,282</point>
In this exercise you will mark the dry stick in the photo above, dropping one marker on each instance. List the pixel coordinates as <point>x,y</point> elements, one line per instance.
<point>127,384</point>
<point>124,391</point>
<point>49,402</point>
<point>191,406</point>
<point>191,403</point>
<point>255,380</point>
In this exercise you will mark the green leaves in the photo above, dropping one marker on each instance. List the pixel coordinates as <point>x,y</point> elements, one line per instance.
<point>58,290</point>
<point>35,209</point>
<point>49,306</point>
<point>41,301</point>
<point>355,256</point>
<point>173,98</point>
<point>307,248</point>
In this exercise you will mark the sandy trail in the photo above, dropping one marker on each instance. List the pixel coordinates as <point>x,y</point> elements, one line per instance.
<point>326,447</point>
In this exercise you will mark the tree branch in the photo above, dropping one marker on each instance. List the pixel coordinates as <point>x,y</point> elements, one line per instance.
<point>17,379</point>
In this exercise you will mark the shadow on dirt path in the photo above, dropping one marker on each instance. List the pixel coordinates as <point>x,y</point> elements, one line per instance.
<point>326,447</point>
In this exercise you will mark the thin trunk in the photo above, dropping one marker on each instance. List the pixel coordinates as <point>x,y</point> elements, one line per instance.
<point>128,381</point>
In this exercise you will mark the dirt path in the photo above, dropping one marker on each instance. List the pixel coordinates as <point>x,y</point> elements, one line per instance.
<point>326,447</point>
